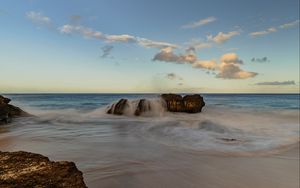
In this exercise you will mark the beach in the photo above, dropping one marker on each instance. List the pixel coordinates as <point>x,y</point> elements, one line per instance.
<point>227,145</point>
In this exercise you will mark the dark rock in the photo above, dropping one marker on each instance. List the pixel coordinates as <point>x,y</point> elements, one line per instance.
<point>24,169</point>
<point>118,108</point>
<point>174,102</point>
<point>8,111</point>
<point>143,106</point>
<point>193,103</point>
<point>4,100</point>
<point>189,103</point>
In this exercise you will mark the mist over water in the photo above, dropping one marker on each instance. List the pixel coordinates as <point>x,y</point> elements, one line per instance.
<point>76,127</point>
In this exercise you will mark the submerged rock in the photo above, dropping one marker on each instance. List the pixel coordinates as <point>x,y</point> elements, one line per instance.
<point>8,111</point>
<point>24,169</point>
<point>118,108</point>
<point>189,103</point>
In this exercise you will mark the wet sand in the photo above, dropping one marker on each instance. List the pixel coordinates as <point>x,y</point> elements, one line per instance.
<point>178,168</point>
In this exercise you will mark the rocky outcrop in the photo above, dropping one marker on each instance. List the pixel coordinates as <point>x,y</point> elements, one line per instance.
<point>24,169</point>
<point>168,102</point>
<point>118,108</point>
<point>189,103</point>
<point>8,111</point>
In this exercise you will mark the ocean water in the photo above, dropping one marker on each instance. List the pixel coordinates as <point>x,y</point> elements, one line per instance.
<point>109,147</point>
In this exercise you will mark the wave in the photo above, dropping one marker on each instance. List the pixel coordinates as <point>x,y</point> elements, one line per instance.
<point>217,129</point>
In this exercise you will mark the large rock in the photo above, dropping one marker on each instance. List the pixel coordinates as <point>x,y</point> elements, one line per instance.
<point>8,111</point>
<point>118,108</point>
<point>24,169</point>
<point>143,106</point>
<point>189,103</point>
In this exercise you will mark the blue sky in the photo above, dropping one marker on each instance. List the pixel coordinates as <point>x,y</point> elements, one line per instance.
<point>149,46</point>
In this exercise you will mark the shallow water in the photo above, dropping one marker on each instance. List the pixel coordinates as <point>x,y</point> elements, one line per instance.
<point>184,149</point>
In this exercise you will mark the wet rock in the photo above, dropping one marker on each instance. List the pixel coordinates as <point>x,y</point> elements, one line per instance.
<point>24,169</point>
<point>174,102</point>
<point>118,108</point>
<point>8,111</point>
<point>188,103</point>
<point>143,106</point>
<point>193,103</point>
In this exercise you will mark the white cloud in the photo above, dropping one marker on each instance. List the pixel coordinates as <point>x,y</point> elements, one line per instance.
<point>124,38</point>
<point>222,37</point>
<point>38,18</point>
<point>84,31</point>
<point>264,32</point>
<point>289,25</point>
<point>199,23</point>
<point>120,38</point>
<point>230,68</point>
<point>154,44</point>
<point>205,64</point>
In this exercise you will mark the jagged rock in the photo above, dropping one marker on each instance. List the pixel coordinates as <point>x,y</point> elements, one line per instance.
<point>118,108</point>
<point>24,169</point>
<point>143,106</point>
<point>8,111</point>
<point>189,103</point>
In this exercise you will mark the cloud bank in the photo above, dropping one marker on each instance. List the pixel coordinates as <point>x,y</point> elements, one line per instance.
<point>264,32</point>
<point>276,83</point>
<point>228,68</point>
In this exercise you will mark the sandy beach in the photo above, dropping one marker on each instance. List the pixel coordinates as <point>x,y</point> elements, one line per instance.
<point>189,169</point>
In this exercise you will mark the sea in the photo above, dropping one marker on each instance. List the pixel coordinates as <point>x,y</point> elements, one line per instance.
<point>131,151</point>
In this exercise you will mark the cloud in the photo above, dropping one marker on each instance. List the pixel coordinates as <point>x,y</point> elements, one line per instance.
<point>222,37</point>
<point>173,76</point>
<point>84,31</point>
<point>123,38</point>
<point>264,32</point>
<point>120,38</point>
<point>38,18</point>
<point>199,23</point>
<point>289,25</point>
<point>230,68</point>
<point>260,60</point>
<point>276,83</point>
<point>205,64</point>
<point>106,50</point>
<point>167,55</point>
<point>154,44</point>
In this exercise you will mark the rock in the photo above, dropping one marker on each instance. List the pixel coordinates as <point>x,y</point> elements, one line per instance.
<point>4,100</point>
<point>24,169</point>
<point>8,111</point>
<point>118,109</point>
<point>189,103</point>
<point>174,102</point>
<point>143,106</point>
<point>193,103</point>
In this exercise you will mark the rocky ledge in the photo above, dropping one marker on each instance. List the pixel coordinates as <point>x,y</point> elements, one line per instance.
<point>170,102</point>
<point>8,111</point>
<point>24,169</point>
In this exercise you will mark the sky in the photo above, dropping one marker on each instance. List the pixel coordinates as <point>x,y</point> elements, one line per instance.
<point>139,46</point>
